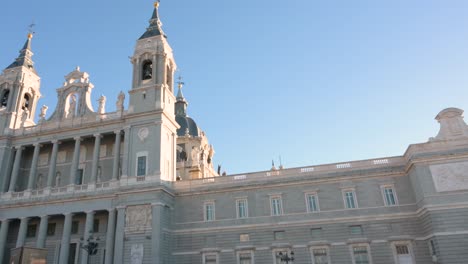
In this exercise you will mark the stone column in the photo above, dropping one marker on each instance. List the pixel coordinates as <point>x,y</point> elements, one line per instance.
<point>65,243</point>
<point>22,232</point>
<point>16,168</point>
<point>3,237</point>
<point>96,153</point>
<point>41,237</point>
<point>115,167</point>
<point>157,209</point>
<point>53,164</point>
<point>87,233</point>
<point>33,171</point>
<point>125,152</point>
<point>6,168</point>
<point>110,235</point>
<point>119,236</point>
<point>75,161</point>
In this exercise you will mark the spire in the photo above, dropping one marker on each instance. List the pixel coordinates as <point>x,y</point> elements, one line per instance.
<point>181,103</point>
<point>25,56</point>
<point>155,27</point>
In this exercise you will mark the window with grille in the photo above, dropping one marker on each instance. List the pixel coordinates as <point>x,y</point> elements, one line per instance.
<point>350,199</point>
<point>389,196</point>
<point>312,203</point>
<point>209,211</point>
<point>141,166</point>
<point>241,208</point>
<point>245,258</point>
<point>211,259</point>
<point>276,207</point>
<point>320,256</point>
<point>360,255</point>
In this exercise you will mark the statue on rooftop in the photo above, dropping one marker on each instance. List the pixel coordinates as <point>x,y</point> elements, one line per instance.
<point>102,105</point>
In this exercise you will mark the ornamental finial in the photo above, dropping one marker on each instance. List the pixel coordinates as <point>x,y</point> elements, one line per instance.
<point>156,4</point>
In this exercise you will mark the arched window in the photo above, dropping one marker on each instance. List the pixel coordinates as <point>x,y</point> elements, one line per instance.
<point>26,102</point>
<point>4,100</point>
<point>169,78</point>
<point>147,70</point>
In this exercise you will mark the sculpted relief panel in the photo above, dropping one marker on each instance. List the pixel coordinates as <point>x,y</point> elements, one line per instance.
<point>138,218</point>
<point>450,177</point>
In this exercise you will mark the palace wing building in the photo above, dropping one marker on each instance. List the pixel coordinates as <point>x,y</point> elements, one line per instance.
<point>138,186</point>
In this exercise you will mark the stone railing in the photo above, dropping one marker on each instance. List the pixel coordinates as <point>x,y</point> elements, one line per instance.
<point>295,172</point>
<point>88,189</point>
<point>67,123</point>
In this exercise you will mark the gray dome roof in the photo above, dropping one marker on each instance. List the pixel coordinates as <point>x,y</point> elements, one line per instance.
<point>184,123</point>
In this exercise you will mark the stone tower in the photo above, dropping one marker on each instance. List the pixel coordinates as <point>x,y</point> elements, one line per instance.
<point>152,98</point>
<point>19,91</point>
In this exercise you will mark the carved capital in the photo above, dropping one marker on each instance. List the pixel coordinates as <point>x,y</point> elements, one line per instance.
<point>77,138</point>
<point>97,135</point>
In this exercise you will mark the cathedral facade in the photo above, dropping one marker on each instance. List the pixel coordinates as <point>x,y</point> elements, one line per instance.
<point>138,185</point>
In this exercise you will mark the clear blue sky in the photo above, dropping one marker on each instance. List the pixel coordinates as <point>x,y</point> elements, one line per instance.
<point>313,81</point>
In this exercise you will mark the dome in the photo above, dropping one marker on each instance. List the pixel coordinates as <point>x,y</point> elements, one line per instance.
<point>185,123</point>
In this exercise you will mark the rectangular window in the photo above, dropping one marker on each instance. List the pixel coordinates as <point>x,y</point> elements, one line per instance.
<point>241,205</point>
<point>79,177</point>
<point>432,247</point>
<point>355,230</point>
<point>403,254</point>
<point>316,233</point>
<point>276,206</point>
<point>244,237</point>
<point>96,226</point>
<point>360,255</point>
<point>141,166</point>
<point>74,227</point>
<point>210,259</point>
<point>350,199</point>
<point>31,231</point>
<point>389,196</point>
<point>51,229</point>
<point>279,235</point>
<point>245,258</point>
<point>320,256</point>
<point>312,202</point>
<point>209,211</point>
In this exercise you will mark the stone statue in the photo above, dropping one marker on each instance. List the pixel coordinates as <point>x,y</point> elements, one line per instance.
<point>43,112</point>
<point>39,181</point>
<point>102,105</point>
<point>57,179</point>
<point>120,102</point>
<point>72,106</point>
<point>24,116</point>
<point>194,156</point>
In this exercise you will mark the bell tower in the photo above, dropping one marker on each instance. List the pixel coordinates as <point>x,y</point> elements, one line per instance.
<point>151,107</point>
<point>19,91</point>
<point>153,70</point>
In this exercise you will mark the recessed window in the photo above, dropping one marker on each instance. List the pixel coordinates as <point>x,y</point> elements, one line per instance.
<point>4,99</point>
<point>147,70</point>
<point>245,257</point>
<point>79,177</point>
<point>349,197</point>
<point>31,231</point>
<point>355,230</point>
<point>209,211</point>
<point>244,237</point>
<point>279,235</point>
<point>276,205</point>
<point>403,254</point>
<point>241,206</point>
<point>320,255</point>
<point>312,202</point>
<point>141,166</point>
<point>51,229</point>
<point>210,258</point>
<point>74,227</point>
<point>316,233</point>
<point>360,254</point>
<point>96,226</point>
<point>389,195</point>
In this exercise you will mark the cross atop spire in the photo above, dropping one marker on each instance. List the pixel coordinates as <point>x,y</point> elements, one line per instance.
<point>155,27</point>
